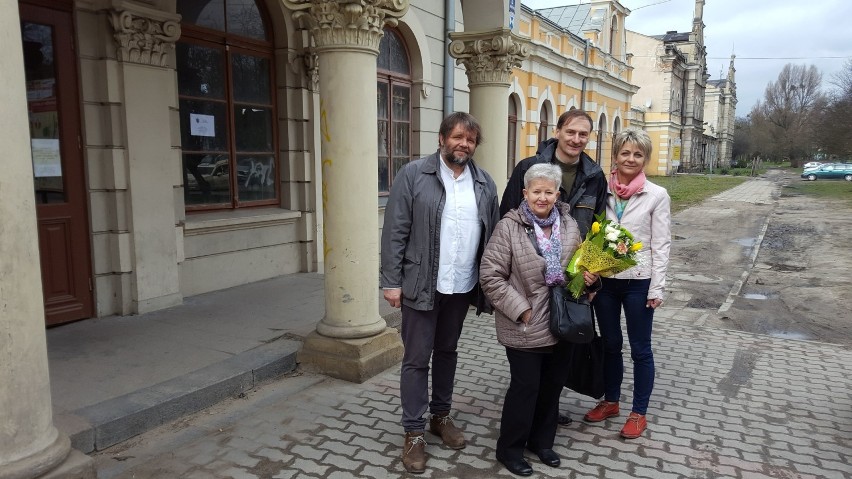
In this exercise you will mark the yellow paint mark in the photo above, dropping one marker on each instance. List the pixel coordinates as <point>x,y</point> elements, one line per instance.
<point>326,164</point>
<point>324,122</point>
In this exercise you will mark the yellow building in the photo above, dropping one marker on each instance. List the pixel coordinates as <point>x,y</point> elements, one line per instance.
<point>578,59</point>
<point>671,70</point>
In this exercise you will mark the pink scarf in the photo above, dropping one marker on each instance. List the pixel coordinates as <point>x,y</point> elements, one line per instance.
<point>628,190</point>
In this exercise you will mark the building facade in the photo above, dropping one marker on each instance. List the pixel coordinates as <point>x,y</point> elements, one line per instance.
<point>720,107</point>
<point>671,70</point>
<point>578,59</point>
<point>160,149</point>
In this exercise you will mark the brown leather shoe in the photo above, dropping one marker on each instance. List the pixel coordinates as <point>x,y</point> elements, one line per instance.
<point>414,453</point>
<point>442,426</point>
<point>602,411</point>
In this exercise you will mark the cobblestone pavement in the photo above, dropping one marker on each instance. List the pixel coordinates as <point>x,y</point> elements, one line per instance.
<point>725,404</point>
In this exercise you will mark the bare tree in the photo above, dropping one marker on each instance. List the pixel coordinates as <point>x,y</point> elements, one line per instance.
<point>834,132</point>
<point>790,109</point>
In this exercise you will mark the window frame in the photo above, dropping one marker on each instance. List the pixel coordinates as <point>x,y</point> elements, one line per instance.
<point>512,153</point>
<point>391,78</point>
<point>543,124</point>
<point>230,44</point>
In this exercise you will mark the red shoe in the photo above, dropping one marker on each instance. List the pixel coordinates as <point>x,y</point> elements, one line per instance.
<point>634,427</point>
<point>602,411</point>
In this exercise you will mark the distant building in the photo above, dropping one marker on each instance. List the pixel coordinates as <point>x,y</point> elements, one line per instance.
<point>720,107</point>
<point>671,71</point>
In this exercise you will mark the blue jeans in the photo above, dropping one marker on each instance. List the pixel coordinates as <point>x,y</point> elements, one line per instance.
<point>632,295</point>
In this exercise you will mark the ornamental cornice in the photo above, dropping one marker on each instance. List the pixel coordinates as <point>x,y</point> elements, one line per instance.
<point>489,57</point>
<point>347,24</point>
<point>143,35</point>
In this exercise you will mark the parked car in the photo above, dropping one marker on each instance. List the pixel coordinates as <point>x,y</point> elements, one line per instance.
<point>811,164</point>
<point>830,171</point>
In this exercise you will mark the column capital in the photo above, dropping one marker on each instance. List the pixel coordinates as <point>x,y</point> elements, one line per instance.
<point>143,35</point>
<point>347,24</point>
<point>489,56</point>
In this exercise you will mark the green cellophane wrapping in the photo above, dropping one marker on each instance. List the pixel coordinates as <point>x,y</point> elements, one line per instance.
<point>592,257</point>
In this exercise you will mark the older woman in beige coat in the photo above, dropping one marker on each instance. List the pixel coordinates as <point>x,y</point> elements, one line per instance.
<point>515,275</point>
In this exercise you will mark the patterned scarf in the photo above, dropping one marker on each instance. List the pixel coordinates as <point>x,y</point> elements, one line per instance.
<point>551,248</point>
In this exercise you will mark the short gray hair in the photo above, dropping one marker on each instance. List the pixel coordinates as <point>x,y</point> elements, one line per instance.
<point>543,171</point>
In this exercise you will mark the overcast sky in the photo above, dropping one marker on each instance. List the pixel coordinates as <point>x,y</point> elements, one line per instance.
<point>764,34</point>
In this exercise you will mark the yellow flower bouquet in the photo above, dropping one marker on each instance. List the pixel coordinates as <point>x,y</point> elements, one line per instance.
<point>607,250</point>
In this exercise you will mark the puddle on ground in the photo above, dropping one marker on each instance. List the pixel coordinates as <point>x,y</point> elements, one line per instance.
<point>763,295</point>
<point>789,335</point>
<point>749,242</point>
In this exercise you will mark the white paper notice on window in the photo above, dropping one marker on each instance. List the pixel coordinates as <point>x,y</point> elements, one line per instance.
<point>47,161</point>
<point>201,125</point>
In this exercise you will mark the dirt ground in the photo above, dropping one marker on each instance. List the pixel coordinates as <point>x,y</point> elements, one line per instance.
<point>797,286</point>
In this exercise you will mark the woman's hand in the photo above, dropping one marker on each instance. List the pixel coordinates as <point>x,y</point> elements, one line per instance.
<point>526,315</point>
<point>654,303</point>
<point>590,278</point>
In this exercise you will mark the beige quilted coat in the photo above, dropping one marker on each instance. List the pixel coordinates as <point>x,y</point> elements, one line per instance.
<point>512,277</point>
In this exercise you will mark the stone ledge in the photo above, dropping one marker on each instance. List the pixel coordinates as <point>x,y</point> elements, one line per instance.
<point>110,422</point>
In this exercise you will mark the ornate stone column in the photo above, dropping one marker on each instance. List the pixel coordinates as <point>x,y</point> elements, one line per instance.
<point>30,445</point>
<point>489,58</point>
<point>144,45</point>
<point>352,341</point>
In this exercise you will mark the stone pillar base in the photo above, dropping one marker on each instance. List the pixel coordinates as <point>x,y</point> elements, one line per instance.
<point>353,360</point>
<point>76,466</point>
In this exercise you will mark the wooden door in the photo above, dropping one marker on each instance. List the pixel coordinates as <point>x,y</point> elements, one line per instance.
<point>57,157</point>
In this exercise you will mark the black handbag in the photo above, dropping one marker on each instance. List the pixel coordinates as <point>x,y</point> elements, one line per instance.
<point>570,319</point>
<point>585,367</point>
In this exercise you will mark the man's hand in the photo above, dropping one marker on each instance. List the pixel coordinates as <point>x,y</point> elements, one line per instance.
<point>394,297</point>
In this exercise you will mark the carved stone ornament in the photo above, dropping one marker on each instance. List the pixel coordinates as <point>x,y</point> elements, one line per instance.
<point>144,40</point>
<point>347,24</point>
<point>489,57</point>
<point>311,63</point>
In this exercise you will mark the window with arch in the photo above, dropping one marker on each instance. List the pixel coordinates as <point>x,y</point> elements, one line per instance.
<point>599,150</point>
<point>613,35</point>
<point>512,142</point>
<point>542,125</point>
<point>226,94</point>
<point>393,94</point>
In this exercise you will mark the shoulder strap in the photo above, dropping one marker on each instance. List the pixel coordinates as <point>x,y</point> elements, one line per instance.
<point>531,235</point>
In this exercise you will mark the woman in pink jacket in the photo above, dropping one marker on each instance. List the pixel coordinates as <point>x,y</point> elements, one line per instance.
<point>526,255</point>
<point>645,210</point>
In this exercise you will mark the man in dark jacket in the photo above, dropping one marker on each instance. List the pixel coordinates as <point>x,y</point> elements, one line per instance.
<point>586,194</point>
<point>441,212</point>
<point>583,181</point>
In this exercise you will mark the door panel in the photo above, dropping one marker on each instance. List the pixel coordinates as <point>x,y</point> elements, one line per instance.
<point>58,170</point>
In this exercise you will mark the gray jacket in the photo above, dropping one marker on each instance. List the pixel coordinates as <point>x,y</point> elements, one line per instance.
<point>411,236</point>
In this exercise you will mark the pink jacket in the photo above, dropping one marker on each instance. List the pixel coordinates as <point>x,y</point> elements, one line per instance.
<point>648,217</point>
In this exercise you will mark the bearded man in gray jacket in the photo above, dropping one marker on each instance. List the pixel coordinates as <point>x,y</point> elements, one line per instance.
<point>441,212</point>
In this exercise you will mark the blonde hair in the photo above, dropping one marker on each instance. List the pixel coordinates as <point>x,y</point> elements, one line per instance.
<point>635,136</point>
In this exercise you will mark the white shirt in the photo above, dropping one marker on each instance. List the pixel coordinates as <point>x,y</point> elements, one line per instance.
<point>460,234</point>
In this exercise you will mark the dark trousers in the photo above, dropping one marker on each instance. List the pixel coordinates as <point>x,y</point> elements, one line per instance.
<point>632,295</point>
<point>531,407</point>
<point>432,333</point>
